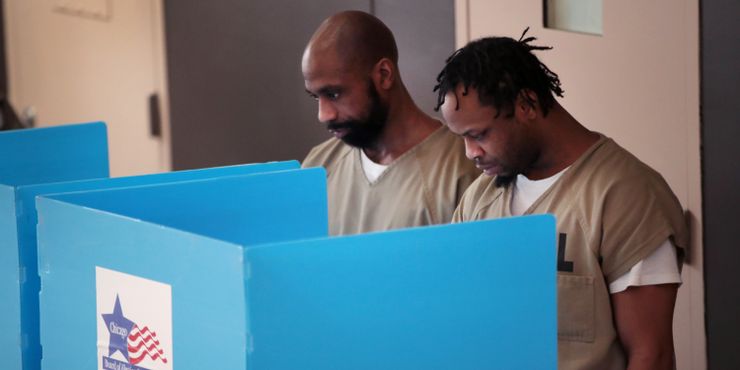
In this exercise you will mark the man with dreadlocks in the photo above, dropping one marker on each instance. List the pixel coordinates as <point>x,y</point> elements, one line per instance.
<point>390,165</point>
<point>621,229</point>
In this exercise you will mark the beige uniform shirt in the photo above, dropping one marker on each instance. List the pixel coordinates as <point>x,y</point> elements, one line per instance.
<point>612,211</point>
<point>422,187</point>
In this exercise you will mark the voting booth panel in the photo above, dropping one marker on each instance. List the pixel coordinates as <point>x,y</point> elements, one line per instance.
<point>260,208</point>
<point>478,295</point>
<point>34,156</point>
<point>28,219</point>
<point>53,154</point>
<point>10,304</point>
<point>186,288</point>
<point>27,194</point>
<point>151,276</point>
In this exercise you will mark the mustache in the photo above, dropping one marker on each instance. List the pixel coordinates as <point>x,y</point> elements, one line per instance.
<point>337,125</point>
<point>341,125</point>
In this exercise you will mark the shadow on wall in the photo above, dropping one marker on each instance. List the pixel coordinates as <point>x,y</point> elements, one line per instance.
<point>8,118</point>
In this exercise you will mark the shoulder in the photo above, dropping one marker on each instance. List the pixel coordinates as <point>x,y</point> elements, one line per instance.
<point>327,154</point>
<point>478,197</point>
<point>441,141</point>
<point>637,208</point>
<point>445,151</point>
<point>614,168</point>
<point>623,184</point>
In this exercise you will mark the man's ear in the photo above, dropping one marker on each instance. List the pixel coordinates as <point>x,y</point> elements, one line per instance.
<point>384,74</point>
<point>526,106</point>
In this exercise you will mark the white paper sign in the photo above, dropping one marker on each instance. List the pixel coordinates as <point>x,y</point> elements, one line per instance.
<point>134,317</point>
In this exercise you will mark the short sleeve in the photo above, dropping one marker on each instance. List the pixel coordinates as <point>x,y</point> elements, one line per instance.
<point>639,213</point>
<point>660,267</point>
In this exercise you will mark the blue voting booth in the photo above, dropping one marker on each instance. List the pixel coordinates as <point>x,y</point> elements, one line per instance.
<point>172,249</point>
<point>35,160</point>
<point>35,156</point>
<point>26,227</point>
<point>237,273</point>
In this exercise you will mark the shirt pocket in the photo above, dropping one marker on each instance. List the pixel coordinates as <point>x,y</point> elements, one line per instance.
<point>576,308</point>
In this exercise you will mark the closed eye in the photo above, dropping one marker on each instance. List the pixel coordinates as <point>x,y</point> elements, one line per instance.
<point>477,136</point>
<point>330,93</point>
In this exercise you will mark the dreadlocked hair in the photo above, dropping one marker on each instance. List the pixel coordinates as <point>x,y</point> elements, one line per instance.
<point>501,69</point>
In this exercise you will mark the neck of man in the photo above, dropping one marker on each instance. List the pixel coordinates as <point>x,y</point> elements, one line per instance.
<point>562,141</point>
<point>407,126</point>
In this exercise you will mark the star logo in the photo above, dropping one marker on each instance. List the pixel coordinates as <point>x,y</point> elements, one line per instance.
<point>119,328</point>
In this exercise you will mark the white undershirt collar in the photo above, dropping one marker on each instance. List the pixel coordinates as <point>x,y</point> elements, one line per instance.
<point>527,191</point>
<point>371,169</point>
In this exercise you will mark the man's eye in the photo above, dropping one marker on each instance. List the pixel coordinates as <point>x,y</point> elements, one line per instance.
<point>479,136</point>
<point>332,95</point>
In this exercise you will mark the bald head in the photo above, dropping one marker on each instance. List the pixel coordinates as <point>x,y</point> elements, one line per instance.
<point>354,38</point>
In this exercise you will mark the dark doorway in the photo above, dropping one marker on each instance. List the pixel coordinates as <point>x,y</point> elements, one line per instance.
<point>720,89</point>
<point>8,118</point>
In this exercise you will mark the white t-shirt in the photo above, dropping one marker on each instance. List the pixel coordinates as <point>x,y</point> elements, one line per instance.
<point>660,267</point>
<point>372,170</point>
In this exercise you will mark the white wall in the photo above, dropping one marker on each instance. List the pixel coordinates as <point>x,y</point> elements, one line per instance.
<point>639,84</point>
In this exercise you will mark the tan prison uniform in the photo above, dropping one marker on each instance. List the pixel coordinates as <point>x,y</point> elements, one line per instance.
<point>422,187</point>
<point>612,211</point>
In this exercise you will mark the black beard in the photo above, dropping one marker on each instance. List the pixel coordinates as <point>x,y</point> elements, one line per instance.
<point>503,180</point>
<point>528,157</point>
<point>365,133</point>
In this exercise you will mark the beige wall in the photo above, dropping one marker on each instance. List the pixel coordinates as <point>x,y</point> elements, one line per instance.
<point>97,62</point>
<point>639,84</point>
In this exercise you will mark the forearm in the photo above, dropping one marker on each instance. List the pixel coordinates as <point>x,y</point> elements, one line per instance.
<point>653,359</point>
<point>644,320</point>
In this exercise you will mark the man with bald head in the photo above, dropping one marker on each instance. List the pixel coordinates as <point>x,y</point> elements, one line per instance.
<point>389,165</point>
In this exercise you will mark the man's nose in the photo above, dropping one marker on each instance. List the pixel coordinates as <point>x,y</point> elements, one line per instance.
<point>327,112</point>
<point>472,149</point>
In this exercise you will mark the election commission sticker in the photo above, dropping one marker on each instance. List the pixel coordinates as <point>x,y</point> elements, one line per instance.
<point>134,317</point>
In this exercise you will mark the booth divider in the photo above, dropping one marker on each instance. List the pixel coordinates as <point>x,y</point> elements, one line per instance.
<point>133,252</point>
<point>60,159</point>
<point>28,221</point>
<point>475,296</point>
<point>34,156</point>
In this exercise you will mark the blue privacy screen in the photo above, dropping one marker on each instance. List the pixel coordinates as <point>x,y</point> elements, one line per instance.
<point>118,251</point>
<point>35,156</point>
